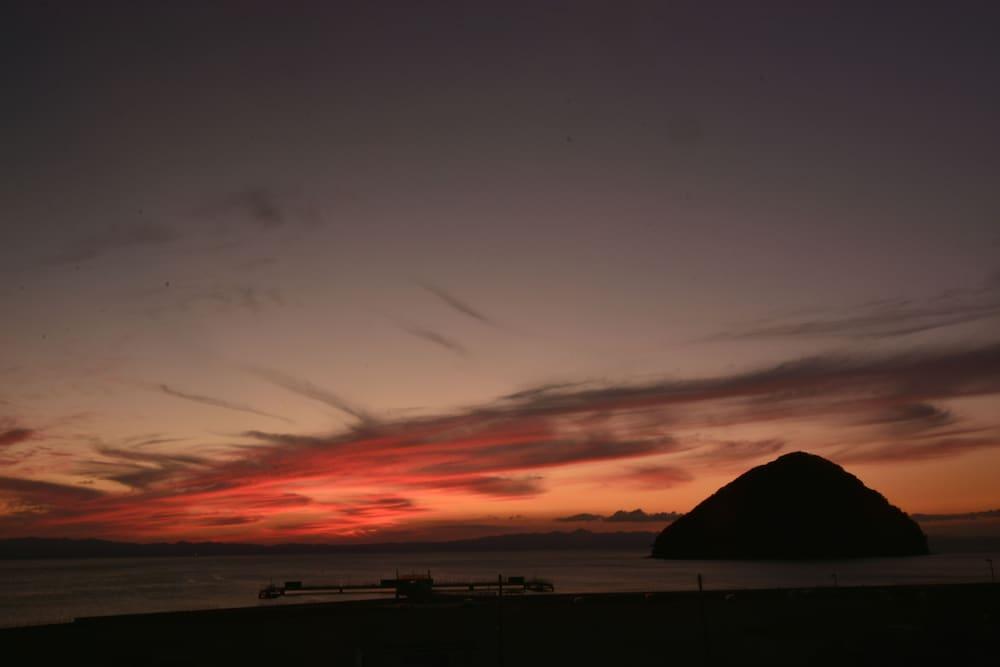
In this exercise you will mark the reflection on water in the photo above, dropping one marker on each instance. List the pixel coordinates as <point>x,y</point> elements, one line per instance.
<point>46,591</point>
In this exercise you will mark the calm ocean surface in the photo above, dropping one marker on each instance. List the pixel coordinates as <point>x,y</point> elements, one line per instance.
<point>46,591</point>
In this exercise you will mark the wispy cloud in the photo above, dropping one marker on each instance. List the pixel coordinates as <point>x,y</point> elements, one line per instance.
<point>551,387</point>
<point>239,520</point>
<point>458,304</point>
<point>653,476</point>
<point>140,469</point>
<point>114,237</point>
<point>736,451</point>
<point>256,207</point>
<point>882,319</point>
<point>40,495</point>
<point>378,506</point>
<point>492,485</point>
<point>13,436</point>
<point>219,403</point>
<point>918,450</point>
<point>179,297</point>
<point>261,207</point>
<point>912,416</point>
<point>438,339</point>
<point>311,391</point>
<point>548,452</point>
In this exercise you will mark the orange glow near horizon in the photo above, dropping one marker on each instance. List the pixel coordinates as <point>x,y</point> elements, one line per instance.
<point>529,461</point>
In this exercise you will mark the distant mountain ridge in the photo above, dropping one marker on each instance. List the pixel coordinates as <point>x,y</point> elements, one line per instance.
<point>36,547</point>
<point>799,506</point>
<point>43,548</point>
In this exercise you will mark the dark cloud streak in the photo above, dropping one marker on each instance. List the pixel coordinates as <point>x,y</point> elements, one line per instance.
<point>14,436</point>
<point>457,304</point>
<point>219,403</point>
<point>45,493</point>
<point>311,391</point>
<point>884,319</point>
<point>913,416</point>
<point>436,338</point>
<point>916,451</point>
<point>492,485</point>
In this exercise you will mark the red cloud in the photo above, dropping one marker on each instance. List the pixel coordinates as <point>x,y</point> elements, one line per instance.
<point>15,435</point>
<point>286,485</point>
<point>653,476</point>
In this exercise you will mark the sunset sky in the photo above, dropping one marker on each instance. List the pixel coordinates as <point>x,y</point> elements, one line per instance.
<point>424,270</point>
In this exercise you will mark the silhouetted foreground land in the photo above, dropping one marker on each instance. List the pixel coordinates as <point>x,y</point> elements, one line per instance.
<point>939,625</point>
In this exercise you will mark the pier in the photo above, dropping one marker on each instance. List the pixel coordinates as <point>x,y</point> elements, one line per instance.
<point>412,586</point>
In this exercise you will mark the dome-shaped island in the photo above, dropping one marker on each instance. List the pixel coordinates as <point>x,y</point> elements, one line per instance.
<point>799,506</point>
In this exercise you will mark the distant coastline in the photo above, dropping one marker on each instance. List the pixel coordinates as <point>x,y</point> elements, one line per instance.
<point>639,541</point>
<point>35,547</point>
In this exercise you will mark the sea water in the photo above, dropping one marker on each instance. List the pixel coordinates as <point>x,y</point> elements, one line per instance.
<point>49,591</point>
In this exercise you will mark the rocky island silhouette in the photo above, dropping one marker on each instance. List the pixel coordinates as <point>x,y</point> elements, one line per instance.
<point>799,506</point>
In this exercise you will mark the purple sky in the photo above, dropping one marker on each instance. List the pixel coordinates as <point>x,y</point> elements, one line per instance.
<point>296,260</point>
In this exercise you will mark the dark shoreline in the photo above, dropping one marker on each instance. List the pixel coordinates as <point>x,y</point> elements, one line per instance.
<point>926,624</point>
